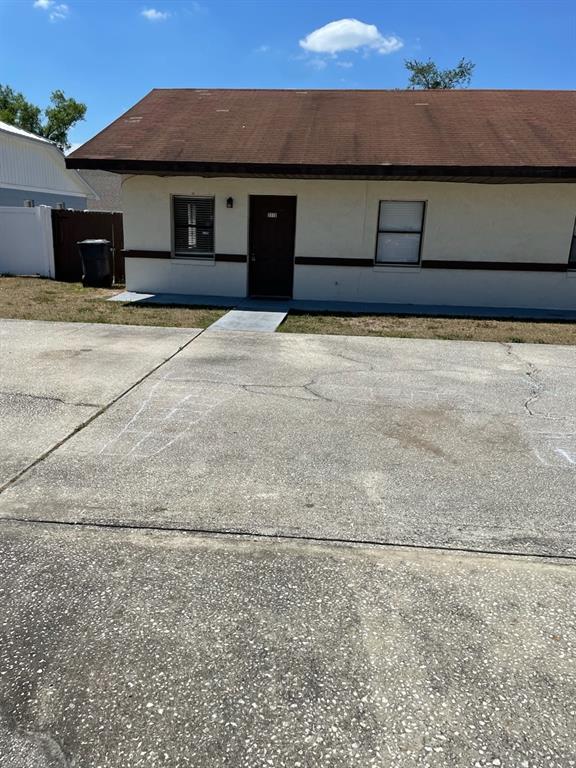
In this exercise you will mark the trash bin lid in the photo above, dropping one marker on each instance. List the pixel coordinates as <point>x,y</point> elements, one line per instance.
<point>94,241</point>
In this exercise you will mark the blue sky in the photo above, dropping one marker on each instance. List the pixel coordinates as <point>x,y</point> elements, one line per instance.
<point>110,53</point>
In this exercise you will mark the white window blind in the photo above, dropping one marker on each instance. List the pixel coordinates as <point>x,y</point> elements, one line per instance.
<point>398,248</point>
<point>193,226</point>
<point>399,232</point>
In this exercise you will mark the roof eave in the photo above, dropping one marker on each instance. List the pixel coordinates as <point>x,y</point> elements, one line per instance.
<point>336,171</point>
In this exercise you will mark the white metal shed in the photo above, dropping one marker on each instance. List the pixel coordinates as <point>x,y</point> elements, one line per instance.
<point>33,168</point>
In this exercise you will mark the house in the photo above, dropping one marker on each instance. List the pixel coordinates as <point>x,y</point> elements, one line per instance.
<point>459,198</point>
<point>107,186</point>
<point>34,169</point>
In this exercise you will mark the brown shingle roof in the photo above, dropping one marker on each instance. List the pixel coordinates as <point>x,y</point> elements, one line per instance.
<point>185,128</point>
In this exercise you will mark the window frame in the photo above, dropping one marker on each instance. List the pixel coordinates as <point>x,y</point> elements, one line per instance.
<point>405,264</point>
<point>572,250</point>
<point>200,255</point>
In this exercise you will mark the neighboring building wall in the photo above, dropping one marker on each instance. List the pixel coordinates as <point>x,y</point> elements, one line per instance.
<point>16,197</point>
<point>26,244</point>
<point>32,168</point>
<point>107,186</point>
<point>338,219</point>
<point>28,163</point>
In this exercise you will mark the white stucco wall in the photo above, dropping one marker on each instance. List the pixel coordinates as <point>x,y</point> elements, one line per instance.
<point>181,276</point>
<point>476,222</point>
<point>440,287</point>
<point>502,222</point>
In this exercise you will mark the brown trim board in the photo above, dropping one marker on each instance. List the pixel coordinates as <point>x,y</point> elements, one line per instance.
<point>499,266</point>
<point>505,266</point>
<point>510,266</point>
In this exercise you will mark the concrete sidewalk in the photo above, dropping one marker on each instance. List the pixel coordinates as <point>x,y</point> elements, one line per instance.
<point>126,648</point>
<point>346,307</point>
<point>262,317</point>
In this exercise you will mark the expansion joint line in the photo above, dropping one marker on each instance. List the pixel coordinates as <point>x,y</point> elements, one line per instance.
<point>94,416</point>
<point>232,534</point>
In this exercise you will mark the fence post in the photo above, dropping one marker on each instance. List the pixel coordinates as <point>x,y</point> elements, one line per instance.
<point>44,214</point>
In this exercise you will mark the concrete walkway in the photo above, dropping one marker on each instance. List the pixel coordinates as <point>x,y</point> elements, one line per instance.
<point>265,319</point>
<point>347,307</point>
<point>175,299</point>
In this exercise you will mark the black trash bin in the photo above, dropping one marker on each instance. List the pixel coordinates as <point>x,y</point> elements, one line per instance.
<point>97,270</point>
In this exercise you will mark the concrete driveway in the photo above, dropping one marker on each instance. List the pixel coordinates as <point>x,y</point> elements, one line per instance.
<point>293,613</point>
<point>55,377</point>
<point>383,440</point>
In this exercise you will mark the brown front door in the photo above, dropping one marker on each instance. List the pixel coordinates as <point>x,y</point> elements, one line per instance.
<point>271,245</point>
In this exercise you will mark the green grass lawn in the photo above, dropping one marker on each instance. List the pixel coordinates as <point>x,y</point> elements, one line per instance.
<point>464,329</point>
<point>32,298</point>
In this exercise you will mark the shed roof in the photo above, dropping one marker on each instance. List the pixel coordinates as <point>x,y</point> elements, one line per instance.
<point>344,131</point>
<point>7,128</point>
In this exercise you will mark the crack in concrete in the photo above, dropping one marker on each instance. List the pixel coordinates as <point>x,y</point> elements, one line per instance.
<point>308,385</point>
<point>538,390</point>
<point>255,389</point>
<point>538,387</point>
<point>372,368</point>
<point>50,398</point>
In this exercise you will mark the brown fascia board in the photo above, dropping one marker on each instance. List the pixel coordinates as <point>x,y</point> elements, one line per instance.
<point>431,172</point>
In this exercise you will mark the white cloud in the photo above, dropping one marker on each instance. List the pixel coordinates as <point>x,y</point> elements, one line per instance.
<point>318,64</point>
<point>344,64</point>
<point>349,35</point>
<point>193,8</point>
<point>59,11</point>
<point>153,15</point>
<point>56,11</point>
<point>262,49</point>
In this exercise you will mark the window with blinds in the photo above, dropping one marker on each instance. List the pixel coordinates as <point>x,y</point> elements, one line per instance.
<point>193,225</point>
<point>400,225</point>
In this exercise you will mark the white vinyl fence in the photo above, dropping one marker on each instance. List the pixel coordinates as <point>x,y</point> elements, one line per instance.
<point>26,246</point>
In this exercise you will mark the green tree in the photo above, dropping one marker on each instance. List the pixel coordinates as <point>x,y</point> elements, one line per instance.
<point>53,123</point>
<point>16,110</point>
<point>60,117</point>
<point>427,75</point>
